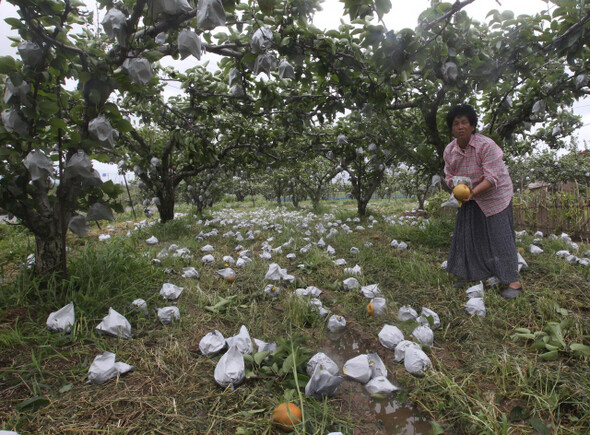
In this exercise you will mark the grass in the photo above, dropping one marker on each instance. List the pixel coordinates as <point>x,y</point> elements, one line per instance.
<point>483,381</point>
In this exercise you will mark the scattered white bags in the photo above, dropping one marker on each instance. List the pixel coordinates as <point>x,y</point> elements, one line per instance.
<point>227,273</point>
<point>522,264</point>
<point>425,314</point>
<point>351,284</point>
<point>377,366</point>
<point>379,305</point>
<point>115,324</point>
<point>170,291</point>
<point>139,305</point>
<point>476,291</point>
<point>212,343</point>
<point>230,370</point>
<point>534,249</point>
<point>262,346</point>
<point>424,335</point>
<point>356,270</point>
<point>475,306</point>
<point>380,385</point>
<point>168,314</point>
<point>390,336</point>
<point>310,291</point>
<point>323,360</point>
<point>400,349</point>
<point>322,383</point>
<point>104,368</point>
<point>275,273</point>
<point>62,319</point>
<point>242,341</point>
<point>190,272</point>
<point>358,369</point>
<point>371,291</point>
<point>208,259</point>
<point>406,313</point>
<point>152,240</point>
<point>207,249</point>
<point>271,290</point>
<point>416,361</point>
<point>336,323</point>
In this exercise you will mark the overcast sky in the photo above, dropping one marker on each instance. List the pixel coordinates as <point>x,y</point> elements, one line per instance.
<point>404,14</point>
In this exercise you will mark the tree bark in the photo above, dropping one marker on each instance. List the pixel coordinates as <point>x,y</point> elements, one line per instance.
<point>361,207</point>
<point>166,207</point>
<point>49,254</point>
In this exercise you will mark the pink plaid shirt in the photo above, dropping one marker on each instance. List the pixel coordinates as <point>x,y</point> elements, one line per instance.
<point>481,160</point>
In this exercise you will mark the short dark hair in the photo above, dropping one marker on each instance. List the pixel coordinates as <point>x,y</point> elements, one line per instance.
<point>462,110</point>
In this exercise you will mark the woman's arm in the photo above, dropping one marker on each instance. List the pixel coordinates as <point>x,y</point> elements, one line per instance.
<point>482,187</point>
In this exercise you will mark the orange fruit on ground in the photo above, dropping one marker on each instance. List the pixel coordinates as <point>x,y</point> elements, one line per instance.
<point>230,278</point>
<point>371,309</point>
<point>286,416</point>
<point>461,192</point>
<point>376,236</point>
<point>520,250</point>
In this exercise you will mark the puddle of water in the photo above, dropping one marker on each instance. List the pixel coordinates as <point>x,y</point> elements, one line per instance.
<point>388,415</point>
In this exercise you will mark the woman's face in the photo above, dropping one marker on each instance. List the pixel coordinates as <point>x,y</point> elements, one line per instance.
<point>462,129</point>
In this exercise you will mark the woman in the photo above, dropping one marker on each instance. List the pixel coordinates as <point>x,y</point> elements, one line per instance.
<point>483,242</point>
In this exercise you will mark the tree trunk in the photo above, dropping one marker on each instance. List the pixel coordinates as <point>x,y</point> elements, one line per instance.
<point>240,196</point>
<point>294,199</point>
<point>361,207</point>
<point>315,200</point>
<point>49,254</point>
<point>166,207</point>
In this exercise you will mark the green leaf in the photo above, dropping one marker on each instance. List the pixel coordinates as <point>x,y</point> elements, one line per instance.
<point>152,55</point>
<point>58,123</point>
<point>538,345</point>
<point>111,189</point>
<point>539,426</point>
<point>515,337</point>
<point>288,363</point>
<point>65,388</point>
<point>48,107</point>
<point>266,6</point>
<point>554,330</point>
<point>15,23</point>
<point>259,357</point>
<point>248,358</point>
<point>32,404</point>
<point>523,330</point>
<point>436,429</point>
<point>580,349</point>
<point>550,356</point>
<point>7,64</point>
<point>124,126</point>
<point>382,6</point>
